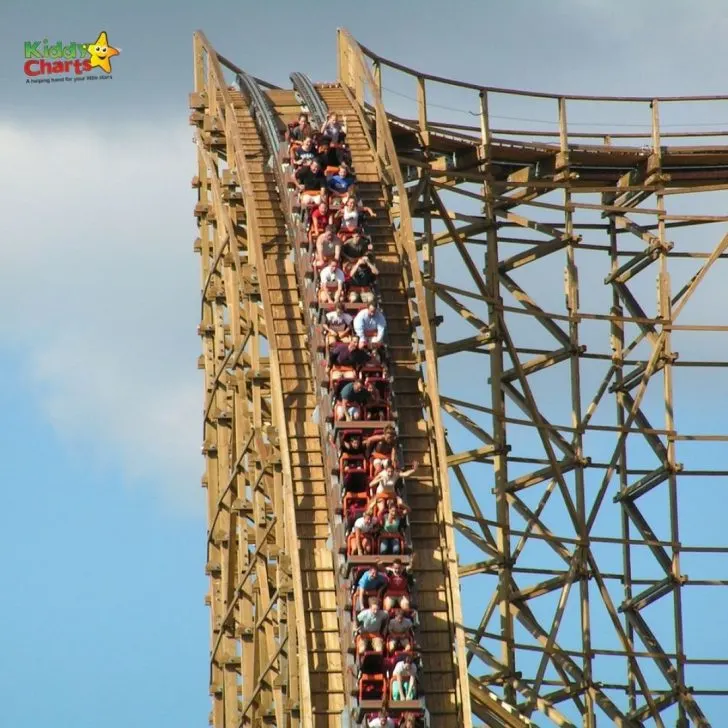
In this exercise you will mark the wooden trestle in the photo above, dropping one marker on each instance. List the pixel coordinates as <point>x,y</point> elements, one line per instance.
<point>521,652</point>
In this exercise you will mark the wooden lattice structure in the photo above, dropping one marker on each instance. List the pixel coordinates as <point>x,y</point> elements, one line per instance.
<point>563,285</point>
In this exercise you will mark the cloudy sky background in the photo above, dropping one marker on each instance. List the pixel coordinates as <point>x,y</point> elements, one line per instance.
<point>102,518</point>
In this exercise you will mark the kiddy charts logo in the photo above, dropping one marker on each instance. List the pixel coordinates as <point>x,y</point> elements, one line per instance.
<point>47,62</point>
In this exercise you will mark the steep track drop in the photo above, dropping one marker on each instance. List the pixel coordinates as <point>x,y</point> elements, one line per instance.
<point>436,635</point>
<point>318,578</point>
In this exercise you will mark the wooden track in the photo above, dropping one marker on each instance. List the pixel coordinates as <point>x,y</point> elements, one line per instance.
<point>318,579</point>
<point>436,634</point>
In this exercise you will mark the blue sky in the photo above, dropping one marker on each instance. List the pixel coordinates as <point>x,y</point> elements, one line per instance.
<point>102,519</point>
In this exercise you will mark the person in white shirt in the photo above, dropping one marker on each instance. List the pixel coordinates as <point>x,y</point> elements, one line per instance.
<point>332,277</point>
<point>387,479</point>
<point>381,721</point>
<point>403,681</point>
<point>370,325</point>
<point>337,324</point>
<point>350,217</point>
<point>364,528</point>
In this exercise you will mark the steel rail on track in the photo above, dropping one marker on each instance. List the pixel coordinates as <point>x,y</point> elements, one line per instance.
<point>263,114</point>
<point>310,98</point>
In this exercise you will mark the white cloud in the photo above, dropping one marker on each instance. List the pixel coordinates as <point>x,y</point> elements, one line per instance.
<point>100,291</point>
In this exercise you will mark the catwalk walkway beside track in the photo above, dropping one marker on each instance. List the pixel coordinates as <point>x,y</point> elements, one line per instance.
<point>318,577</point>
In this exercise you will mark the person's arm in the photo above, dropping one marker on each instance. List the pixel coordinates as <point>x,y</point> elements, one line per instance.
<point>327,290</point>
<point>359,326</point>
<point>370,443</point>
<point>381,327</point>
<point>373,268</point>
<point>345,402</point>
<point>385,623</point>
<point>315,223</point>
<point>380,591</point>
<point>397,677</point>
<point>326,328</point>
<point>377,479</point>
<point>409,472</point>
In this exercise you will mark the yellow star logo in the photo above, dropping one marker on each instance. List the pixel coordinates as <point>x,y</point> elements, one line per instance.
<point>101,52</point>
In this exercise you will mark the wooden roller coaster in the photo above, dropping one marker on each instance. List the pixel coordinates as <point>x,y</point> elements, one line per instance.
<point>508,511</point>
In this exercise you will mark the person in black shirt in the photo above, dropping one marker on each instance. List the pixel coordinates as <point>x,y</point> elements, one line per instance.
<point>363,272</point>
<point>356,247</point>
<point>348,355</point>
<point>305,154</point>
<point>352,445</point>
<point>311,184</point>
<point>327,155</point>
<point>362,275</point>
